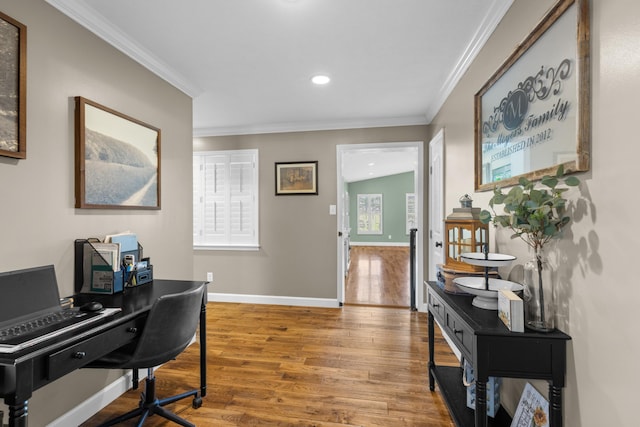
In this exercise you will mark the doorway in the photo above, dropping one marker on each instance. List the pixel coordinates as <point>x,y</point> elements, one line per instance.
<point>378,276</point>
<point>354,162</point>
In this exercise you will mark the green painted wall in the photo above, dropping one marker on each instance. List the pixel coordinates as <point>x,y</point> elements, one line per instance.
<point>393,189</point>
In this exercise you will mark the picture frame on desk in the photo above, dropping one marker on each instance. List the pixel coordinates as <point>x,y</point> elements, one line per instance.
<point>13,88</point>
<point>117,159</point>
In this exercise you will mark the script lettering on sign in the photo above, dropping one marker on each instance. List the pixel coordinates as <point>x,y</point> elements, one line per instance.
<point>525,118</point>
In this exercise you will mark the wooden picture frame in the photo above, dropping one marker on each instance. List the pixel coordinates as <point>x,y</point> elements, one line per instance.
<point>117,159</point>
<point>13,88</point>
<point>296,178</point>
<point>533,114</point>
<point>532,410</point>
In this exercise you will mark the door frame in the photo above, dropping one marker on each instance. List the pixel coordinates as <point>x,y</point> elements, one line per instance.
<point>436,201</point>
<point>418,177</point>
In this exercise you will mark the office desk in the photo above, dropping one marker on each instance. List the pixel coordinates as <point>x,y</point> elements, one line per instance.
<point>25,371</point>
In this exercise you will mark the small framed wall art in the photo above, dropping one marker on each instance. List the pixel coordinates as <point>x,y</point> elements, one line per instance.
<point>13,88</point>
<point>296,178</point>
<point>117,159</point>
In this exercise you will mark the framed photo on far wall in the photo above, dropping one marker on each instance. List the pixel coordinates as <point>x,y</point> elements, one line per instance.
<point>13,88</point>
<point>296,178</point>
<point>117,159</point>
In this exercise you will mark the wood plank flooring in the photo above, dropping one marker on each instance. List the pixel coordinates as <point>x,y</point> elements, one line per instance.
<point>300,366</point>
<point>378,275</point>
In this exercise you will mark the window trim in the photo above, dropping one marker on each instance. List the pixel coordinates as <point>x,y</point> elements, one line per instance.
<point>227,245</point>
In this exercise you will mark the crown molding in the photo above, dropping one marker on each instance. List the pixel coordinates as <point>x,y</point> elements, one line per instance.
<point>494,15</point>
<point>310,126</point>
<point>86,16</point>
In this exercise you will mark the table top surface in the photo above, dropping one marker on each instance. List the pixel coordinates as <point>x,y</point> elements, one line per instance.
<point>133,302</point>
<point>486,322</point>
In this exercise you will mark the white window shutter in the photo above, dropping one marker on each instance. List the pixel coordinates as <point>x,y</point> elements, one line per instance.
<point>242,190</point>
<point>215,197</point>
<point>230,194</point>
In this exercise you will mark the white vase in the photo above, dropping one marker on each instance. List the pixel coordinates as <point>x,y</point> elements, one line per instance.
<point>539,299</point>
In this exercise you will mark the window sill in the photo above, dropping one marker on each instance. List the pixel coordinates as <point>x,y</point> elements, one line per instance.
<point>226,247</point>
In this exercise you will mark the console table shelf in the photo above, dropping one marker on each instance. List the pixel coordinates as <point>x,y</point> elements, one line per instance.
<point>493,351</point>
<point>449,380</point>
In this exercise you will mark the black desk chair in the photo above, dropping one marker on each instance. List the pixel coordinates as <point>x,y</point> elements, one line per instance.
<point>170,326</point>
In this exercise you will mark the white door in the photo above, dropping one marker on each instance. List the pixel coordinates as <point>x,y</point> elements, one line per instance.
<point>436,203</point>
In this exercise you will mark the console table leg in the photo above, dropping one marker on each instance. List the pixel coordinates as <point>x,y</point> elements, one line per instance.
<point>555,406</point>
<point>18,414</point>
<point>432,363</point>
<point>481,403</point>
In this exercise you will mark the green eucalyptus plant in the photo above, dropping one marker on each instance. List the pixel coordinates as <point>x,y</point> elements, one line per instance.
<point>536,215</point>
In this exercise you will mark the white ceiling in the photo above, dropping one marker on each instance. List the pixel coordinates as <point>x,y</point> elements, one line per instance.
<point>247,63</point>
<point>369,163</point>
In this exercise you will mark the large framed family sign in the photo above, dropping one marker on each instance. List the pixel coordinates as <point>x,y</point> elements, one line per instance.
<point>533,114</point>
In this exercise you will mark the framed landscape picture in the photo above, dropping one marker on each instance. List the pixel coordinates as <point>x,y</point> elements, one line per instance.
<point>117,159</point>
<point>296,178</point>
<point>13,88</point>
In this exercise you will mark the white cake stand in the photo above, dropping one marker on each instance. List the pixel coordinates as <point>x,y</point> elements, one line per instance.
<point>484,288</point>
<point>488,259</point>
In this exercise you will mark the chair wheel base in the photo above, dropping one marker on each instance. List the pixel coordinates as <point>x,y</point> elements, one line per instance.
<point>197,402</point>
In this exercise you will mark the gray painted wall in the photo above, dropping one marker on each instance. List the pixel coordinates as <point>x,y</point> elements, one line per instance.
<point>39,220</point>
<point>597,291</point>
<point>298,237</point>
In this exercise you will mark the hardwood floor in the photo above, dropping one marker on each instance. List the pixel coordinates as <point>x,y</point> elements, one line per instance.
<point>300,366</point>
<point>378,275</point>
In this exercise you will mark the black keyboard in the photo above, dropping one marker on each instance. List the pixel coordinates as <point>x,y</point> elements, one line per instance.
<point>30,332</point>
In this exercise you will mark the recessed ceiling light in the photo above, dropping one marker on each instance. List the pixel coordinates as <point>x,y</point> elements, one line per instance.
<point>320,79</point>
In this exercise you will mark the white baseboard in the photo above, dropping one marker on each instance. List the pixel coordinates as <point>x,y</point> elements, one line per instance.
<point>97,402</point>
<point>275,300</point>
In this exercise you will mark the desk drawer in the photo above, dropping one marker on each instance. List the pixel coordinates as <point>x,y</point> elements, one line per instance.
<point>461,333</point>
<point>80,354</point>
<point>435,306</point>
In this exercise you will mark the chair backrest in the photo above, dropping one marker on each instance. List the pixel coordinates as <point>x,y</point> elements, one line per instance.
<point>170,327</point>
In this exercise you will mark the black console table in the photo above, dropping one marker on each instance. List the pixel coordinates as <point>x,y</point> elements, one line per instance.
<point>492,350</point>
